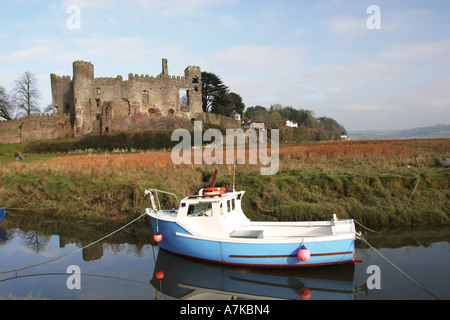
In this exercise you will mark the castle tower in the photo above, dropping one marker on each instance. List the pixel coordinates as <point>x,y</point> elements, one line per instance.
<point>62,94</point>
<point>195,94</point>
<point>83,77</point>
<point>165,69</point>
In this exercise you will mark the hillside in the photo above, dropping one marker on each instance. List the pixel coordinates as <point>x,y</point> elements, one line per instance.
<point>431,132</point>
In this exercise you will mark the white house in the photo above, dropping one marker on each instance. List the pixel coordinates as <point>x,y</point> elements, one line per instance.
<point>235,115</point>
<point>291,124</point>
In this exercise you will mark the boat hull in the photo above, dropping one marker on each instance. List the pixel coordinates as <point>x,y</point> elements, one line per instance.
<point>254,252</point>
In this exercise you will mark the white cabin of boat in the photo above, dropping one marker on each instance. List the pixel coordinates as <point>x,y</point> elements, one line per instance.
<point>213,214</point>
<point>220,215</point>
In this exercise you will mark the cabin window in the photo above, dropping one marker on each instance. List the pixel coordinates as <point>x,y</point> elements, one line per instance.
<point>233,205</point>
<point>228,205</point>
<point>200,210</point>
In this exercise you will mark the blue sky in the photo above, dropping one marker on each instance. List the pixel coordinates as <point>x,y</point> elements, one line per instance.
<point>315,55</point>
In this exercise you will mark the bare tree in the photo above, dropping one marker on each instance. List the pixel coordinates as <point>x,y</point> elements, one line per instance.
<point>26,95</point>
<point>6,108</point>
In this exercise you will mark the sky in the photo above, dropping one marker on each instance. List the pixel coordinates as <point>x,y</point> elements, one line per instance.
<point>368,69</point>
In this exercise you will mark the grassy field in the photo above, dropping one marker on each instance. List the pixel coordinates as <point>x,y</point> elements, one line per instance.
<point>378,183</point>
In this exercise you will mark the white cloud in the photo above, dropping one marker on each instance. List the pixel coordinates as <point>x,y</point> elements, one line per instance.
<point>178,7</point>
<point>260,74</point>
<point>29,54</point>
<point>229,21</point>
<point>89,4</point>
<point>123,49</point>
<point>392,86</point>
<point>259,60</point>
<point>418,52</point>
<point>347,27</point>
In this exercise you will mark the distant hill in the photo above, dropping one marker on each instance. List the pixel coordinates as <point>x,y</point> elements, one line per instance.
<point>432,132</point>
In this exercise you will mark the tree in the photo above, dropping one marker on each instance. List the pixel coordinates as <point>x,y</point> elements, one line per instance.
<point>213,91</point>
<point>333,127</point>
<point>230,101</point>
<point>257,113</point>
<point>6,108</point>
<point>275,120</point>
<point>26,95</point>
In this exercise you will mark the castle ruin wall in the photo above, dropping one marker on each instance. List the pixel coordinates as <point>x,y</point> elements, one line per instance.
<point>36,127</point>
<point>103,105</point>
<point>83,104</point>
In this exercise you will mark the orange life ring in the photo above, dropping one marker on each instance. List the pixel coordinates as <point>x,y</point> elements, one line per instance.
<point>219,190</point>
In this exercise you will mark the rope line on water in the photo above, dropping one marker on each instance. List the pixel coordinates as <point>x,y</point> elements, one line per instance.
<point>79,249</point>
<point>81,274</point>
<point>360,237</point>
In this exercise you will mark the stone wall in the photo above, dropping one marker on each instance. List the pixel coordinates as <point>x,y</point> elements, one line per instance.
<point>36,127</point>
<point>217,120</point>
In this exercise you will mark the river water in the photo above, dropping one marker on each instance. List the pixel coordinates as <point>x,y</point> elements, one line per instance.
<point>129,266</point>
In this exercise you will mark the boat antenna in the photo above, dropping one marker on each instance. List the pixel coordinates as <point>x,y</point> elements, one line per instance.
<point>214,178</point>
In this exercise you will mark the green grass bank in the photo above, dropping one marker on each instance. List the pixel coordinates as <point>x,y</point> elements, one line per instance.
<point>404,188</point>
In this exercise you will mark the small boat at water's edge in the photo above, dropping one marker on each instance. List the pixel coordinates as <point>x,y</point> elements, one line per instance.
<point>211,226</point>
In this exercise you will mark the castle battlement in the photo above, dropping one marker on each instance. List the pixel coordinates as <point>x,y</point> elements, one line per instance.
<point>83,63</point>
<point>63,78</point>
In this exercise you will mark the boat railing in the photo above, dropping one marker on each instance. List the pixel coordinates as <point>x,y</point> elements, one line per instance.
<point>153,194</point>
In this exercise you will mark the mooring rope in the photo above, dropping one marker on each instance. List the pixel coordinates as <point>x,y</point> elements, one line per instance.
<point>360,237</point>
<point>81,274</point>
<point>79,249</point>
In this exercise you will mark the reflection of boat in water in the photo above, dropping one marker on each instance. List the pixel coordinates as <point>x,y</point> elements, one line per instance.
<point>184,278</point>
<point>3,236</point>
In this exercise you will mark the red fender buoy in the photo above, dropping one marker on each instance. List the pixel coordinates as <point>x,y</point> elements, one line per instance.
<point>304,293</point>
<point>303,254</point>
<point>160,275</point>
<point>157,237</point>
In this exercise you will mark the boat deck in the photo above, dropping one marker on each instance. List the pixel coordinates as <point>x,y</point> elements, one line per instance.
<point>282,232</point>
<point>273,230</point>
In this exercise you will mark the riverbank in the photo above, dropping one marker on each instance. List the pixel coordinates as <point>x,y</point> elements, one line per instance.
<point>379,183</point>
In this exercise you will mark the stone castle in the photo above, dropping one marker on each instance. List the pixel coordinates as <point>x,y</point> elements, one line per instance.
<point>84,105</point>
<point>102,105</point>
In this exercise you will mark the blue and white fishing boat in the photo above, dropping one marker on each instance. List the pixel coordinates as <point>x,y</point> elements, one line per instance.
<point>211,226</point>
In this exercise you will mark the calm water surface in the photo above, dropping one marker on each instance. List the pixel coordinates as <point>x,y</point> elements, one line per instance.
<point>130,266</point>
